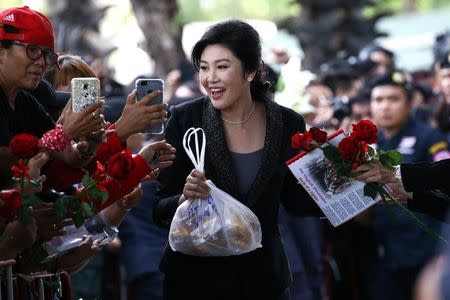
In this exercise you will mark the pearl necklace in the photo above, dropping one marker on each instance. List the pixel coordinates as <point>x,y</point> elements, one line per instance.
<point>242,121</point>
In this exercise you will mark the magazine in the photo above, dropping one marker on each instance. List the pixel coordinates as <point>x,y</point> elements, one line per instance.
<point>340,198</point>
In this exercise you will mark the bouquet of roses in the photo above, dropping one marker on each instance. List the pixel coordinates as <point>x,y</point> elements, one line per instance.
<point>351,152</point>
<point>90,196</point>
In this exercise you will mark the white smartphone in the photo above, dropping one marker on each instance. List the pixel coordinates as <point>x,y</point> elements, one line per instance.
<point>145,87</point>
<point>84,92</point>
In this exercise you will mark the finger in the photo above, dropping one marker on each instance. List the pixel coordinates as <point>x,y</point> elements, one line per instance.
<point>87,240</point>
<point>362,168</point>
<point>166,157</point>
<point>136,193</point>
<point>147,98</point>
<point>156,115</point>
<point>158,146</point>
<point>199,188</point>
<point>93,107</point>
<point>131,99</point>
<point>196,173</point>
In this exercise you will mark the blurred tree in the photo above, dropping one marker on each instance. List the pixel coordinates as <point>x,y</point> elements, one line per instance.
<point>76,25</point>
<point>196,10</point>
<point>10,3</point>
<point>410,5</point>
<point>156,18</point>
<point>326,27</point>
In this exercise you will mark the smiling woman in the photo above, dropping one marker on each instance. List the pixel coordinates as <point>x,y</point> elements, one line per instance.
<point>245,129</point>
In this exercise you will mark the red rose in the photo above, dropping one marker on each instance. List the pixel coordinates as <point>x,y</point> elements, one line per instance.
<point>319,136</point>
<point>24,145</point>
<point>21,169</point>
<point>365,131</point>
<point>120,165</point>
<point>11,203</point>
<point>100,172</point>
<point>349,149</point>
<point>302,141</point>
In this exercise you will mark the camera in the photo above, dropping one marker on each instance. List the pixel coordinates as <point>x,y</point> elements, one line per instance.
<point>341,107</point>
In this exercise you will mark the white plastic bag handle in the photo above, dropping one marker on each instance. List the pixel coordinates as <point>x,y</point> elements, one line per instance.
<point>197,157</point>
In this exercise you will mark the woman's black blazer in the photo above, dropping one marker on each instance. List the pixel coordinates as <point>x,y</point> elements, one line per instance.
<point>265,271</point>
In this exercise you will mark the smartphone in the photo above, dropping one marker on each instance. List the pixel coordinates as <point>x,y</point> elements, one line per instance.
<point>145,87</point>
<point>84,92</point>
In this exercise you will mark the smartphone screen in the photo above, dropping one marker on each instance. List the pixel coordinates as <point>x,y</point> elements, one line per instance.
<point>145,87</point>
<point>84,92</point>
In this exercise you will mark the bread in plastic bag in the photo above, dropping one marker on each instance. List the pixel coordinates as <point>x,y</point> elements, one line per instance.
<point>219,225</point>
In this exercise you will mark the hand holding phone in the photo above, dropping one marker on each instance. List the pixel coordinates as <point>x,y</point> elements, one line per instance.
<point>145,87</point>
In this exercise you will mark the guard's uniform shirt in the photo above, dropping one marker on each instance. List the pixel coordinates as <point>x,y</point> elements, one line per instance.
<point>404,243</point>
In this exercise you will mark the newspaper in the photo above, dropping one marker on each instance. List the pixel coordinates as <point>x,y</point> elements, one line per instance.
<point>340,199</point>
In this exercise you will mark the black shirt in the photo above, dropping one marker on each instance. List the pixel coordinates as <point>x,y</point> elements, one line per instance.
<point>28,117</point>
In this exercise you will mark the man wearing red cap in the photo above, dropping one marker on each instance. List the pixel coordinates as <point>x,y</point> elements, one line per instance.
<point>26,51</point>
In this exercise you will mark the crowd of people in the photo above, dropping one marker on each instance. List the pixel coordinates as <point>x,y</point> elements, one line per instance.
<point>231,94</point>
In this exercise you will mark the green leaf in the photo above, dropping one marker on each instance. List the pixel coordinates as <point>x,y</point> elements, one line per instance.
<point>86,209</point>
<point>386,161</point>
<point>331,153</point>
<point>61,205</point>
<point>395,157</point>
<point>78,218</point>
<point>371,190</point>
<point>104,196</point>
<point>88,181</point>
<point>371,151</point>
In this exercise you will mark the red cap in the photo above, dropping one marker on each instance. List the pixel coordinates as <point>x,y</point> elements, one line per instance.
<point>34,28</point>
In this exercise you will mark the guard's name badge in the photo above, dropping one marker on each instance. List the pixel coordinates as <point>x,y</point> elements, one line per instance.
<point>407,144</point>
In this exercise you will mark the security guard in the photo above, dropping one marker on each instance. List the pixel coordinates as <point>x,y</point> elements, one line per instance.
<point>404,247</point>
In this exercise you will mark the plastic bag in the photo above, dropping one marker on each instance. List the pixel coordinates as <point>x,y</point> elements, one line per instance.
<point>216,226</point>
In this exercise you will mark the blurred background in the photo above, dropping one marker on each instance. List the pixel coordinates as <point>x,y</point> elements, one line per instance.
<point>151,36</point>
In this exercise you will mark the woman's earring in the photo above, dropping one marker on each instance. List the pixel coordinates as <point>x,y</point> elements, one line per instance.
<point>249,78</point>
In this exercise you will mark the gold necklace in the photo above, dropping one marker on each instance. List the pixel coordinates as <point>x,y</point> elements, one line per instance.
<point>243,120</point>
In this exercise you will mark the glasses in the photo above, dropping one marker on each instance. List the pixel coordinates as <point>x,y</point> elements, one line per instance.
<point>36,52</point>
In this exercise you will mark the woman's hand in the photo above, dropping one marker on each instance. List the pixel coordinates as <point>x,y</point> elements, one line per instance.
<point>76,259</point>
<point>35,165</point>
<point>87,145</point>
<point>195,187</point>
<point>399,192</point>
<point>138,115</point>
<point>83,123</point>
<point>159,155</point>
<point>132,199</point>
<point>374,172</point>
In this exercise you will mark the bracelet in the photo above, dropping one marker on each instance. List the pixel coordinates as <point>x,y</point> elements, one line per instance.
<point>55,139</point>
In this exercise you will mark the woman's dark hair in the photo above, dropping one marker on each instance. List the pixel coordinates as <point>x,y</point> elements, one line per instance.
<point>244,42</point>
